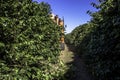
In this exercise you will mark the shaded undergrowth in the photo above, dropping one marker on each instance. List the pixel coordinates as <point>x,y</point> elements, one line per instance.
<point>77,69</point>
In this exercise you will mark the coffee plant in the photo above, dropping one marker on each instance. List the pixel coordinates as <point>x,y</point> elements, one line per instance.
<point>29,41</point>
<point>98,41</point>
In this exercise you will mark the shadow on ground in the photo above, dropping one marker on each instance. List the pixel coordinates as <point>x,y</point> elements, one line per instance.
<point>77,69</point>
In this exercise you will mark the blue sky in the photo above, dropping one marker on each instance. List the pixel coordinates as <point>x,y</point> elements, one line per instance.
<point>73,11</point>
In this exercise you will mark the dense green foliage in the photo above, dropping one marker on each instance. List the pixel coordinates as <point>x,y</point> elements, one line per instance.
<point>29,41</point>
<point>99,41</point>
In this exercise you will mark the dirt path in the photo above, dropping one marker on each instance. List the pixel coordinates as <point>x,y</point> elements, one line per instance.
<point>76,67</point>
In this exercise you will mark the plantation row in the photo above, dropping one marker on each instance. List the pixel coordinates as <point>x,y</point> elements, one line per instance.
<point>29,41</point>
<point>98,41</point>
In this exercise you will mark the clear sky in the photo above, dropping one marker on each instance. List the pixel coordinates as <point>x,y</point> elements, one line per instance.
<point>73,11</point>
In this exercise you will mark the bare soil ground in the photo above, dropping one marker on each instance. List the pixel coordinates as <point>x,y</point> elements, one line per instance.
<point>76,67</point>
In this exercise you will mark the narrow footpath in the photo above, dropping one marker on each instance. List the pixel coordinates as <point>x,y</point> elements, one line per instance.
<point>76,67</point>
